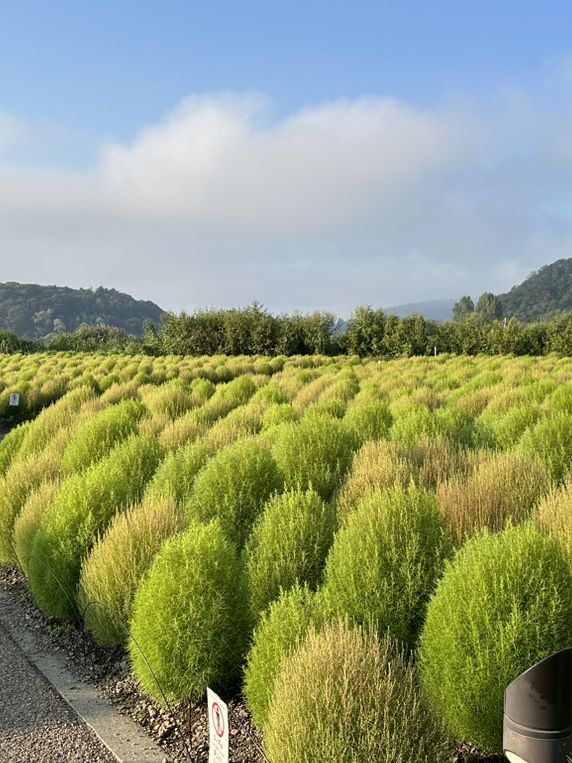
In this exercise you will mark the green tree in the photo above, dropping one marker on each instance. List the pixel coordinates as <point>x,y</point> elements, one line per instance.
<point>463,309</point>
<point>488,308</point>
<point>365,332</point>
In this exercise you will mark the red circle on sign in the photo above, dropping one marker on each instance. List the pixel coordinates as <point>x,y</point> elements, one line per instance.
<point>218,719</point>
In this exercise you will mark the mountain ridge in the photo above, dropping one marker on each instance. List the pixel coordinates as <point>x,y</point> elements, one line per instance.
<point>34,311</point>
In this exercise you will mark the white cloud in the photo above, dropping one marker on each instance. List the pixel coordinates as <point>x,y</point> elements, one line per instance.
<point>344,203</point>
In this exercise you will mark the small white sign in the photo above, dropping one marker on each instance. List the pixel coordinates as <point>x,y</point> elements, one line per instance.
<point>218,728</point>
<point>15,398</point>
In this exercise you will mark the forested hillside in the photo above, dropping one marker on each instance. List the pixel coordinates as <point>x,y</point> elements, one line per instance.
<point>543,295</point>
<point>41,312</point>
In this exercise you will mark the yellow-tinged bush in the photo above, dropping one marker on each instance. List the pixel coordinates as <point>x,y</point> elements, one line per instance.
<point>11,445</point>
<point>47,424</point>
<point>117,562</point>
<point>346,695</point>
<point>15,487</point>
<point>80,513</point>
<point>554,516</point>
<point>503,487</point>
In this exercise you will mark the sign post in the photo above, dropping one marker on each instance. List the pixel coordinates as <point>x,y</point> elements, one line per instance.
<point>15,398</point>
<point>218,728</point>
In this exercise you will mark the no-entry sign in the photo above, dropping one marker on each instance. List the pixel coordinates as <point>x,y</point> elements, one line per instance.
<point>218,728</point>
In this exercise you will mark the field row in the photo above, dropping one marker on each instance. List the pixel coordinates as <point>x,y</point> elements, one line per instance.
<point>252,521</point>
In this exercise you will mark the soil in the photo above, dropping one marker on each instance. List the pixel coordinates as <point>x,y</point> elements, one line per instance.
<point>182,730</point>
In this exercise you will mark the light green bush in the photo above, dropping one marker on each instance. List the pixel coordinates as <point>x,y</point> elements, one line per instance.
<point>189,616</point>
<point>233,487</point>
<point>202,390</point>
<point>288,545</point>
<point>176,474</point>
<point>504,431</point>
<point>29,519</point>
<point>117,562</point>
<point>317,452</point>
<point>369,421</point>
<point>549,439</point>
<point>414,422</point>
<point>281,630</point>
<point>11,444</point>
<point>171,400</point>
<point>504,603</point>
<point>385,561</point>
<point>15,487</point>
<point>57,416</point>
<point>82,510</point>
<point>99,434</point>
<point>279,413</point>
<point>347,696</point>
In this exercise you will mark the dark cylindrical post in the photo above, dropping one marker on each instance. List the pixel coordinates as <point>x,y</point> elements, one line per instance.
<point>537,725</point>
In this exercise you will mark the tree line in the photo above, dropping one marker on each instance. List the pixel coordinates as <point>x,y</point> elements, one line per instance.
<point>369,332</point>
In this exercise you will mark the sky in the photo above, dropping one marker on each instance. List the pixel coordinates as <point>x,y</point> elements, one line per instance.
<point>308,155</point>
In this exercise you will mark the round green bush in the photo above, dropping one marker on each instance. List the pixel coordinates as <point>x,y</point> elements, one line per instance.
<point>282,628</point>
<point>414,422</point>
<point>288,545</point>
<point>100,434</point>
<point>47,424</point>
<point>278,413</point>
<point>233,487</point>
<point>317,453</point>
<point>189,616</point>
<point>176,474</point>
<point>28,520</point>
<point>385,561</point>
<point>549,439</point>
<point>11,444</point>
<point>369,421</point>
<point>345,695</point>
<point>80,513</point>
<point>507,429</point>
<point>113,569</point>
<point>503,604</point>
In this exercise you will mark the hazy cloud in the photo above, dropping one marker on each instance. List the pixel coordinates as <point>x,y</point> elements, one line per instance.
<point>345,203</point>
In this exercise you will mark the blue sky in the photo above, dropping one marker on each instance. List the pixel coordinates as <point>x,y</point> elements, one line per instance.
<point>311,155</point>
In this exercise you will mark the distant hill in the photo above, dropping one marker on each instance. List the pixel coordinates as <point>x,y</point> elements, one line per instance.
<point>434,309</point>
<point>544,294</point>
<point>39,312</point>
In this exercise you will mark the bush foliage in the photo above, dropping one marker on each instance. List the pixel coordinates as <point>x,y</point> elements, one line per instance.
<point>189,616</point>
<point>233,487</point>
<point>80,513</point>
<point>344,695</point>
<point>385,561</point>
<point>503,604</point>
<point>288,545</point>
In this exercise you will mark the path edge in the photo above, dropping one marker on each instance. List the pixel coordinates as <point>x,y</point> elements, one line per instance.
<point>121,735</point>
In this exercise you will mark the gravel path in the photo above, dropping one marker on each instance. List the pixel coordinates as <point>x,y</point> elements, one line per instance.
<point>36,724</point>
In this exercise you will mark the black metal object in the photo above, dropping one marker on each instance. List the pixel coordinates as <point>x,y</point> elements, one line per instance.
<point>537,724</point>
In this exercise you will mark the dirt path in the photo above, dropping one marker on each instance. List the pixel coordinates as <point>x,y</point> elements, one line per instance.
<point>36,724</point>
